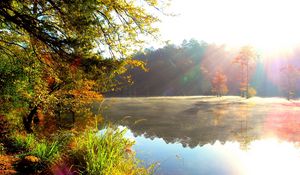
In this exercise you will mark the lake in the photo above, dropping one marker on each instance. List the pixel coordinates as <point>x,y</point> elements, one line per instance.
<point>208,135</point>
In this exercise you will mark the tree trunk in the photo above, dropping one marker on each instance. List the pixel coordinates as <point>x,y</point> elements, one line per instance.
<point>28,120</point>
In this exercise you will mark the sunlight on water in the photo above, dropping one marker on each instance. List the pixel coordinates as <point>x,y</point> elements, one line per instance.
<point>268,156</point>
<point>271,157</point>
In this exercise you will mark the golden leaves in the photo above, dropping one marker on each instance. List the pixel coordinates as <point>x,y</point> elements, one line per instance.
<point>136,63</point>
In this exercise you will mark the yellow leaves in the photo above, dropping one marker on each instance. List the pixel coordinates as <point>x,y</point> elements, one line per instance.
<point>84,93</point>
<point>136,63</point>
<point>26,95</point>
<point>85,96</point>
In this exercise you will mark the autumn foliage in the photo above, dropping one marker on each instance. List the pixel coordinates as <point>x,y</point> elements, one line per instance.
<point>219,86</point>
<point>60,56</point>
<point>245,59</point>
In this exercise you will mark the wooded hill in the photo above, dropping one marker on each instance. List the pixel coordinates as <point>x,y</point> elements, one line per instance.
<point>188,69</point>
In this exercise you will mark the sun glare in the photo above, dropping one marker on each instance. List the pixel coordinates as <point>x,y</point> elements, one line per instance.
<point>262,157</point>
<point>272,157</point>
<point>270,26</point>
<point>269,156</point>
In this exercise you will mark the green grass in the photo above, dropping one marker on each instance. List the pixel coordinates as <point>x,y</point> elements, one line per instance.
<point>90,152</point>
<point>47,152</point>
<point>23,141</point>
<point>106,154</point>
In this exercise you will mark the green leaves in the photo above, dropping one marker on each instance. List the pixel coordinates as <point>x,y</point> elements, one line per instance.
<point>69,27</point>
<point>61,55</point>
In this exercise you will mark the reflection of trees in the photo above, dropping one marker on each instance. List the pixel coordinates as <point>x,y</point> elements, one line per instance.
<point>242,135</point>
<point>201,123</point>
<point>219,113</point>
<point>284,123</point>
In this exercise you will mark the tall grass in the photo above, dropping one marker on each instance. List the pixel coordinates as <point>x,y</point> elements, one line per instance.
<point>106,154</point>
<point>23,141</point>
<point>47,151</point>
<point>91,152</point>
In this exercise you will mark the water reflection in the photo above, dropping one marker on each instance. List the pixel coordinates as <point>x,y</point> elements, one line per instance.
<point>190,121</point>
<point>205,135</point>
<point>241,135</point>
<point>269,156</point>
<point>284,124</point>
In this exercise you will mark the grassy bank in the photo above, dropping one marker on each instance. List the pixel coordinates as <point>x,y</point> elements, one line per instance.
<point>70,152</point>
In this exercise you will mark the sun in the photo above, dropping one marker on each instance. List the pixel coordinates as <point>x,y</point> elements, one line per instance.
<point>268,25</point>
<point>272,27</point>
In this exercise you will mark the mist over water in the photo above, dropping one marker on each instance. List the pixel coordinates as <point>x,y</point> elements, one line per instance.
<point>208,135</point>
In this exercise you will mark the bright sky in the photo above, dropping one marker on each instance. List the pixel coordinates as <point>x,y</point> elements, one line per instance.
<point>264,24</point>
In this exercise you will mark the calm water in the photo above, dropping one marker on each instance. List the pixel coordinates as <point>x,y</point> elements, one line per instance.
<point>207,135</point>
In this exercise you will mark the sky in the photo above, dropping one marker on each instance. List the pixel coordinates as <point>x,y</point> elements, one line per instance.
<point>268,25</point>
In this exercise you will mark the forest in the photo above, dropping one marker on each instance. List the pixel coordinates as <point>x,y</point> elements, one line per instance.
<point>198,68</point>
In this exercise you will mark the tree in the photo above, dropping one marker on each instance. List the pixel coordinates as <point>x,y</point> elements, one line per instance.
<point>218,83</point>
<point>290,75</point>
<point>245,58</point>
<point>70,51</point>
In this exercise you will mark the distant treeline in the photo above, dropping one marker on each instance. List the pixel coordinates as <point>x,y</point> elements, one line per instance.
<point>187,69</point>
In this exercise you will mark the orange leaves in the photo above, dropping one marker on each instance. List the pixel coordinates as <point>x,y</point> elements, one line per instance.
<point>219,78</point>
<point>219,86</point>
<point>75,64</point>
<point>245,57</point>
<point>85,94</point>
<point>50,81</point>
